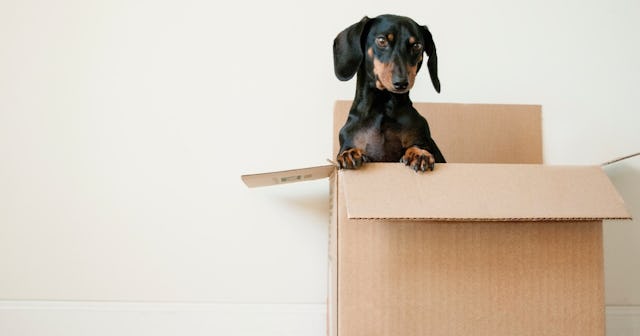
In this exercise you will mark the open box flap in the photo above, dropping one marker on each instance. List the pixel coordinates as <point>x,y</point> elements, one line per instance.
<point>484,192</point>
<point>475,133</point>
<point>287,176</point>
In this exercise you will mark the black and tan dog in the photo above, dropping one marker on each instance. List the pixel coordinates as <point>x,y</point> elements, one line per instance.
<point>386,52</point>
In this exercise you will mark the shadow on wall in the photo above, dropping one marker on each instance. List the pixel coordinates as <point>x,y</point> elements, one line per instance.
<point>309,199</point>
<point>626,177</point>
<point>622,238</point>
<point>316,204</point>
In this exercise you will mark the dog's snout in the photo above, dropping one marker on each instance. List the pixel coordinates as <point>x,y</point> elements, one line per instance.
<point>401,84</point>
<point>399,78</point>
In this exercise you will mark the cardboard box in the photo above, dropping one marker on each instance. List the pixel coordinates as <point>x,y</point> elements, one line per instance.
<point>491,243</point>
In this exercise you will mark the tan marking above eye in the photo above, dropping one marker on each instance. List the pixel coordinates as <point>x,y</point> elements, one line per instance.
<point>390,37</point>
<point>412,40</point>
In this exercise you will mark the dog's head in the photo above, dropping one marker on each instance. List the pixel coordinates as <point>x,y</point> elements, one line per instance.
<point>389,48</point>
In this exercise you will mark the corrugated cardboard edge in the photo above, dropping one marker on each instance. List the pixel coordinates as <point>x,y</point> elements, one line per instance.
<point>332,292</point>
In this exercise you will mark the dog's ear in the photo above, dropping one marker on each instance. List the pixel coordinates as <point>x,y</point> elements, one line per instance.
<point>347,50</point>
<point>432,63</point>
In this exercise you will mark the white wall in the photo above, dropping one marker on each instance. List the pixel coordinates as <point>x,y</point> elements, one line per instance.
<point>125,125</point>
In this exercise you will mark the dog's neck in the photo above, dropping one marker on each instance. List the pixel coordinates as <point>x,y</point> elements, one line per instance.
<point>369,100</point>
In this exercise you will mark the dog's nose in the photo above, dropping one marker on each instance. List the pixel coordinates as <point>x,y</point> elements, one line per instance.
<point>400,85</point>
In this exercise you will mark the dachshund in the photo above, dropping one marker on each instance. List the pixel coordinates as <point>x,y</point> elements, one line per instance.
<point>386,52</point>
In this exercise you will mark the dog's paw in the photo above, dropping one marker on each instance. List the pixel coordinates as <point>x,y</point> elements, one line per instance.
<point>351,158</point>
<point>418,159</point>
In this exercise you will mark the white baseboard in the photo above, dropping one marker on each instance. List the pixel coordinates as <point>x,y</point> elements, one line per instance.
<point>44,318</point>
<point>623,320</point>
<point>36,318</point>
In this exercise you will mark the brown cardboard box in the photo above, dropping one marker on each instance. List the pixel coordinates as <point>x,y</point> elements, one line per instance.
<point>492,243</point>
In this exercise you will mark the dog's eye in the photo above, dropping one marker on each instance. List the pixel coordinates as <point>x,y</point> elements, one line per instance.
<point>417,47</point>
<point>382,41</point>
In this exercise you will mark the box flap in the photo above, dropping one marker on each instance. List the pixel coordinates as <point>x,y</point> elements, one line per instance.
<point>484,192</point>
<point>287,176</point>
<point>475,133</point>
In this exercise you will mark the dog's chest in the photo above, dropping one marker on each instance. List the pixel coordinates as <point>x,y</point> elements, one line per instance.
<point>381,140</point>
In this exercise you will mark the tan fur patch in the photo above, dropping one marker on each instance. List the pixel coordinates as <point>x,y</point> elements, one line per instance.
<point>370,52</point>
<point>390,37</point>
<point>412,40</point>
<point>383,72</point>
<point>412,72</point>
